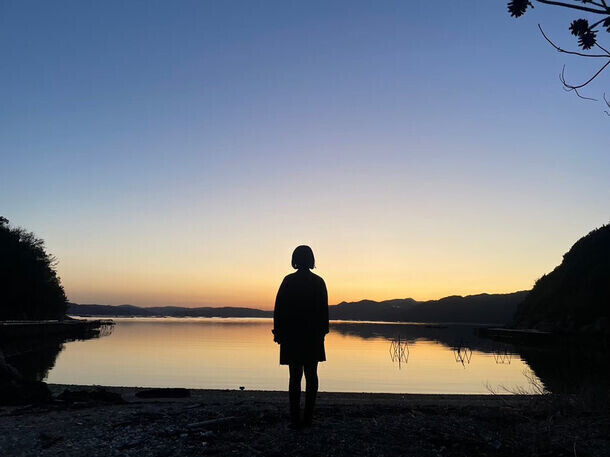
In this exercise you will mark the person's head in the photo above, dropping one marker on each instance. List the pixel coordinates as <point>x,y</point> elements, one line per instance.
<point>302,258</point>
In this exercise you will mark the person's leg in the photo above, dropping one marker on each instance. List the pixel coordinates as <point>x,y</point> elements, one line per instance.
<point>311,378</point>
<point>294,392</point>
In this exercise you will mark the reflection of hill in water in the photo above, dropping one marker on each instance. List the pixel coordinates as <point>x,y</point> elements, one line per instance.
<point>571,367</point>
<point>35,362</point>
<point>451,336</point>
<point>34,358</point>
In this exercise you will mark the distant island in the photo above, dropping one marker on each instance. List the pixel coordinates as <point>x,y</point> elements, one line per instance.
<point>481,308</point>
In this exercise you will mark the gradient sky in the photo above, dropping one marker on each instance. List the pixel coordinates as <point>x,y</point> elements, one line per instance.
<point>176,152</point>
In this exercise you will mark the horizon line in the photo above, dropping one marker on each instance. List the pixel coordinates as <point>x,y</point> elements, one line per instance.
<point>336,304</point>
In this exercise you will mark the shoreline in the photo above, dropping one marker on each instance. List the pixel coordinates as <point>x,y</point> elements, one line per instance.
<point>128,392</point>
<point>254,423</point>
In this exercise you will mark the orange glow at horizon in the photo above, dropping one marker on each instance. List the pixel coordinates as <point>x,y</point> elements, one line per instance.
<point>194,283</point>
<point>366,251</point>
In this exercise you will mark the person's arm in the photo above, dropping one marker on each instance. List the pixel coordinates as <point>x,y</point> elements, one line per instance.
<point>278,312</point>
<point>324,306</point>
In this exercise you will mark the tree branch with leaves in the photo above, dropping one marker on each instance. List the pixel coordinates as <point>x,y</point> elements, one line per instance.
<point>583,29</point>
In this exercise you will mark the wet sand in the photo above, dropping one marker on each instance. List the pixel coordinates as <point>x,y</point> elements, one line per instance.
<point>254,423</point>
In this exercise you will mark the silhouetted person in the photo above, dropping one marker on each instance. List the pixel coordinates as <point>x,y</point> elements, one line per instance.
<point>300,323</point>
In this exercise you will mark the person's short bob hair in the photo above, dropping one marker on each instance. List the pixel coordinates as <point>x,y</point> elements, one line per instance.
<point>302,257</point>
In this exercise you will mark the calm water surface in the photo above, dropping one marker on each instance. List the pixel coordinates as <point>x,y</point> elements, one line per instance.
<point>229,353</point>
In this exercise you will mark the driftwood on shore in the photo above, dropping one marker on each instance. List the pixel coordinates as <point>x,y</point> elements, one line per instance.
<point>164,392</point>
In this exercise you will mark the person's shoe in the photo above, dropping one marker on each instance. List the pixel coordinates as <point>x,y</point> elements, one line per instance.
<point>295,425</point>
<point>307,422</point>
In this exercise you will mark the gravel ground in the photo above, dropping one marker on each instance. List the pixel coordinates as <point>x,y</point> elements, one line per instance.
<point>248,423</point>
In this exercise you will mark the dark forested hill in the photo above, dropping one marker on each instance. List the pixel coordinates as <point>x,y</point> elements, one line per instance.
<point>483,308</point>
<point>575,296</point>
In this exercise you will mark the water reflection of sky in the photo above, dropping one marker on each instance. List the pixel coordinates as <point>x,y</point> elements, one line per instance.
<point>228,353</point>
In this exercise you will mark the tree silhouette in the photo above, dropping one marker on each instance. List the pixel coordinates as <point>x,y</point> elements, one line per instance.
<point>585,31</point>
<point>29,285</point>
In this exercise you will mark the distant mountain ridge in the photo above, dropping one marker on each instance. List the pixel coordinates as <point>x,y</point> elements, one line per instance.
<point>481,308</point>
<point>165,311</point>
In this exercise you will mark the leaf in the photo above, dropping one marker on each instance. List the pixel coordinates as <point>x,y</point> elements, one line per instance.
<point>579,27</point>
<point>588,39</point>
<point>517,8</point>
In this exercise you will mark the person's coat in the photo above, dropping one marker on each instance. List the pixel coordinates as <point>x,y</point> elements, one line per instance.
<point>300,318</point>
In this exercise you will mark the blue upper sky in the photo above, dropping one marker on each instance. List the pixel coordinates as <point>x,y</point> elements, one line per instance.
<point>159,142</point>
